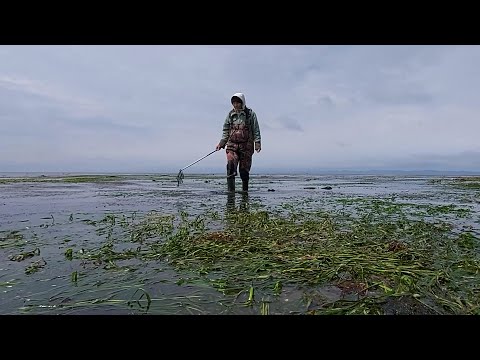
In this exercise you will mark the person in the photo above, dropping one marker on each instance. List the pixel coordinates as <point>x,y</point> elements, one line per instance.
<point>241,137</point>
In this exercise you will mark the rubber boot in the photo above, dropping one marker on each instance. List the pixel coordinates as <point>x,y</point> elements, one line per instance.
<point>245,176</point>
<point>231,184</point>
<point>231,177</point>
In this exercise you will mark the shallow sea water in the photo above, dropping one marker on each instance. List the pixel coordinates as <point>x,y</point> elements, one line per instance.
<point>55,216</point>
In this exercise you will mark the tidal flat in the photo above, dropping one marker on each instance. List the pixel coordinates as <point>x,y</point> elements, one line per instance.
<point>294,245</point>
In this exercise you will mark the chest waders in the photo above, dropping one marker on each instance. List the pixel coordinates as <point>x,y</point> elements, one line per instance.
<point>243,159</point>
<point>239,152</point>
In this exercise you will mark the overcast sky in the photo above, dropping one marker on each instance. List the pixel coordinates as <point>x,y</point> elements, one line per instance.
<point>159,108</point>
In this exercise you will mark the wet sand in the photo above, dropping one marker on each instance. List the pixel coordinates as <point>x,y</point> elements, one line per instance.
<point>55,216</point>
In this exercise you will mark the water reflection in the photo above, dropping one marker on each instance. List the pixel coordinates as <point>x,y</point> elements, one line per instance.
<point>244,205</point>
<point>231,206</point>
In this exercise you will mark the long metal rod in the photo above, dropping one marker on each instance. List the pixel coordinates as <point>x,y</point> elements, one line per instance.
<point>198,160</point>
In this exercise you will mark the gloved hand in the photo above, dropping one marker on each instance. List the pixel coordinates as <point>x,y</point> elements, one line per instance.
<point>220,146</point>
<point>258,147</point>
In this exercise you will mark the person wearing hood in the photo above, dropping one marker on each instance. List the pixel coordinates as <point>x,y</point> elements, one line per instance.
<point>241,137</point>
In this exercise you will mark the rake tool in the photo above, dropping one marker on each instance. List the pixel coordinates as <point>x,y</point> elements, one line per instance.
<point>180,173</point>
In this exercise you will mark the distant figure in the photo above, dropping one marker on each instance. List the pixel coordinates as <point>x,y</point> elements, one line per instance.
<point>241,135</point>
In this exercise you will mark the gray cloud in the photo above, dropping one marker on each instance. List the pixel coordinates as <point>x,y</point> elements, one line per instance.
<point>462,161</point>
<point>161,107</point>
<point>399,97</point>
<point>286,122</point>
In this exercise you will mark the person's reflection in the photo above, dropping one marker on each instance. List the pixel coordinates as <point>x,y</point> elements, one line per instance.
<point>244,203</point>
<point>231,206</point>
<point>231,202</point>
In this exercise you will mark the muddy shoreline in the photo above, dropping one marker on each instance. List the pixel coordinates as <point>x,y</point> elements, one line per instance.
<point>46,219</point>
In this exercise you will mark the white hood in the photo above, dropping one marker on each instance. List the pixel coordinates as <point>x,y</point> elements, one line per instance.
<point>241,96</point>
